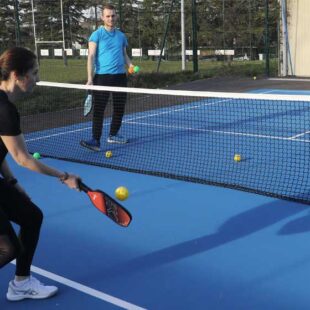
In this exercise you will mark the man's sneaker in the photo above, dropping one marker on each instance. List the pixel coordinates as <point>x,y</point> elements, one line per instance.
<point>32,288</point>
<point>117,139</point>
<point>91,144</point>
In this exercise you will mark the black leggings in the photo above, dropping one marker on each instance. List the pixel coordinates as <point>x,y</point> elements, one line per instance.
<point>101,99</point>
<point>16,207</point>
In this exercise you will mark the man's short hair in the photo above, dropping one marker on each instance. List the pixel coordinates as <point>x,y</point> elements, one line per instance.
<point>108,7</point>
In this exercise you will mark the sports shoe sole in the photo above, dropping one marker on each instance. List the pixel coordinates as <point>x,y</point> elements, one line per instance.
<point>116,142</point>
<point>93,148</point>
<point>21,297</point>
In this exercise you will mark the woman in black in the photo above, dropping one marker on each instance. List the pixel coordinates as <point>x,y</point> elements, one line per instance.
<point>18,76</point>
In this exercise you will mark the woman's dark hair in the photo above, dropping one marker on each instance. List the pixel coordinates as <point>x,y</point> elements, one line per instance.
<point>17,59</point>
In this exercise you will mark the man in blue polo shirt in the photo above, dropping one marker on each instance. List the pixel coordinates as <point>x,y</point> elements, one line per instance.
<point>106,61</point>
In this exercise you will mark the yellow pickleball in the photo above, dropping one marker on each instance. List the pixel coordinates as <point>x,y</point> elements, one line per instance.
<point>121,193</point>
<point>108,154</point>
<point>237,157</point>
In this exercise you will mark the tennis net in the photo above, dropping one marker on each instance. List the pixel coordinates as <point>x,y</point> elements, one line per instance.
<point>192,136</point>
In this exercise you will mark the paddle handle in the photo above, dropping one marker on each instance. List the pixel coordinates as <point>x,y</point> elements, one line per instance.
<point>83,187</point>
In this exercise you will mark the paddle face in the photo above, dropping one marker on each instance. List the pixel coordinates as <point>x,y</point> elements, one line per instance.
<point>88,104</point>
<point>110,207</point>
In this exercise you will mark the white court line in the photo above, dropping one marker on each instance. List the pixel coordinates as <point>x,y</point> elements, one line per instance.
<point>221,132</point>
<point>125,121</point>
<point>265,92</point>
<point>300,135</point>
<point>57,134</point>
<point>85,289</point>
<point>289,79</point>
<point>293,138</point>
<point>177,110</point>
<point>131,121</point>
<point>191,107</point>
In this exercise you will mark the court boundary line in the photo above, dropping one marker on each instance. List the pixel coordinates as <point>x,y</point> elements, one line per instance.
<point>84,289</point>
<point>131,120</point>
<point>272,91</point>
<point>222,132</point>
<point>125,121</point>
<point>300,135</point>
<point>290,79</point>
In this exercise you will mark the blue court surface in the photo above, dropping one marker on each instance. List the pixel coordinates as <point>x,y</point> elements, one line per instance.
<point>196,139</point>
<point>189,246</point>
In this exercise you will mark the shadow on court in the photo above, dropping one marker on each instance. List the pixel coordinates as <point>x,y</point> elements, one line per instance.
<point>237,227</point>
<point>297,226</point>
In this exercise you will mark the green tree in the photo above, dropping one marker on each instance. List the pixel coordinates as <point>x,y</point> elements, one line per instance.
<point>7,25</point>
<point>221,24</point>
<point>48,21</point>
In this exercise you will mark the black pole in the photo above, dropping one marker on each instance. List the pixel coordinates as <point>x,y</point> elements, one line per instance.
<point>120,14</point>
<point>267,64</point>
<point>223,24</point>
<point>96,16</point>
<point>165,36</point>
<point>194,28</point>
<point>17,23</point>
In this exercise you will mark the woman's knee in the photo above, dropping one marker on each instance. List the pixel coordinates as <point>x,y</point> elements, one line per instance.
<point>34,216</point>
<point>38,216</point>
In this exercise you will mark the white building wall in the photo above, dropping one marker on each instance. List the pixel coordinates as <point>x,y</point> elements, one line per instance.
<point>298,28</point>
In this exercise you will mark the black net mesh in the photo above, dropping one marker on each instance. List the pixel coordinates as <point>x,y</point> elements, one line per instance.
<point>184,135</point>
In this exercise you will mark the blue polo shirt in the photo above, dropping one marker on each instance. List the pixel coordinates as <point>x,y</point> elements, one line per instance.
<point>110,51</point>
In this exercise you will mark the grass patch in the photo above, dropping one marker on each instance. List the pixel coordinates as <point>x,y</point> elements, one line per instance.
<point>170,72</point>
<point>45,99</point>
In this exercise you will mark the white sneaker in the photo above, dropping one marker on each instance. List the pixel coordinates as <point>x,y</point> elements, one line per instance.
<point>117,139</point>
<point>32,288</point>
